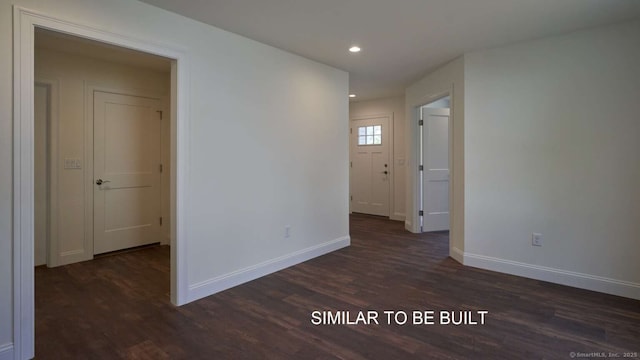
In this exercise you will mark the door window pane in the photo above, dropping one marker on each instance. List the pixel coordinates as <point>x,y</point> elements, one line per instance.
<point>369,139</point>
<point>370,135</point>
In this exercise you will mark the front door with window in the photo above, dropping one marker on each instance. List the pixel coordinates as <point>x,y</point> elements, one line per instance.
<point>370,167</point>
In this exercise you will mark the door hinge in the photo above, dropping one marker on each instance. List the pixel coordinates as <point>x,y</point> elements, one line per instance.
<point>420,213</point>
<point>420,122</point>
<point>160,220</point>
<point>350,163</point>
<point>161,168</point>
<point>351,197</point>
<point>351,131</point>
<point>421,168</point>
<point>159,112</point>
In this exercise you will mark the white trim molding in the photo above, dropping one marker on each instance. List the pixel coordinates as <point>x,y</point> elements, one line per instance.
<point>456,254</point>
<point>24,23</point>
<point>6,352</point>
<point>553,275</point>
<point>398,216</point>
<point>226,281</point>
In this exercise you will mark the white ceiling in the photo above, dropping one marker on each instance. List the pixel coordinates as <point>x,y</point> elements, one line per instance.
<point>401,40</point>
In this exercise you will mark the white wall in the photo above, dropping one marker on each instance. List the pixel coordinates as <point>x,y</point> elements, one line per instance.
<point>552,146</point>
<point>395,107</point>
<point>73,73</point>
<point>268,146</point>
<point>449,79</point>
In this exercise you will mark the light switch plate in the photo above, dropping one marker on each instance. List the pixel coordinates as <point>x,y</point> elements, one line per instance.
<point>72,163</point>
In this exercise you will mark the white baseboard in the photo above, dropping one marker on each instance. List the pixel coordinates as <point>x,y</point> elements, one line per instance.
<point>558,276</point>
<point>6,351</point>
<point>223,282</point>
<point>397,216</point>
<point>71,257</point>
<point>457,255</point>
<point>409,226</point>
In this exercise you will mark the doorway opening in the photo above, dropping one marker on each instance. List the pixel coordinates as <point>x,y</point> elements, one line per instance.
<point>434,164</point>
<point>371,168</point>
<point>102,154</point>
<point>26,22</point>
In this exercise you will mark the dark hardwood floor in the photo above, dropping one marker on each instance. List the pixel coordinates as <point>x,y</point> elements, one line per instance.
<point>118,307</point>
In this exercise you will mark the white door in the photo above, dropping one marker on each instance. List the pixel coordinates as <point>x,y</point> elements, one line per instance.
<point>126,171</point>
<point>370,168</point>
<point>40,172</point>
<point>435,176</point>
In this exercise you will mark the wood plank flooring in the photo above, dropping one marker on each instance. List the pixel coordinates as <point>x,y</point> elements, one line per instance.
<point>117,307</point>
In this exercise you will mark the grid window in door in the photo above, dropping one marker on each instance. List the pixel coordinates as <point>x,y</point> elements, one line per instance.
<point>370,135</point>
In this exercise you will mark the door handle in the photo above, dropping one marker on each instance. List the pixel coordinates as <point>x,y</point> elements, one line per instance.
<point>100,181</point>
<point>385,172</point>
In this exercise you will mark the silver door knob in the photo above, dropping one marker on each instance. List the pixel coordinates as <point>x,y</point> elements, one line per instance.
<point>100,181</point>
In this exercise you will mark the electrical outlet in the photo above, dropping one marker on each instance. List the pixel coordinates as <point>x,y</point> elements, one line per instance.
<point>287,231</point>
<point>536,239</point>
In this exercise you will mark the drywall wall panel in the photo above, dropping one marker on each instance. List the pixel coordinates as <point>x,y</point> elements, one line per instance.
<point>551,147</point>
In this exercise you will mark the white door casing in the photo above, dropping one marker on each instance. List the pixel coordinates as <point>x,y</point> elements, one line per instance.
<point>127,158</point>
<point>24,23</point>
<point>435,176</point>
<point>370,174</point>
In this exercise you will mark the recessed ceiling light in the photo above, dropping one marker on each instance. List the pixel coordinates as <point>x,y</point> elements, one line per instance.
<point>352,95</point>
<point>355,49</point>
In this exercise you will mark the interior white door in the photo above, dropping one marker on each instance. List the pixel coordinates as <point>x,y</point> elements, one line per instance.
<point>127,155</point>
<point>370,168</point>
<point>40,172</point>
<point>435,183</point>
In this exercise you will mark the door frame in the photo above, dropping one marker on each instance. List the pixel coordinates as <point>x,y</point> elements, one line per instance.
<point>24,23</point>
<point>413,146</point>
<point>421,160</point>
<point>89,90</point>
<point>390,124</point>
